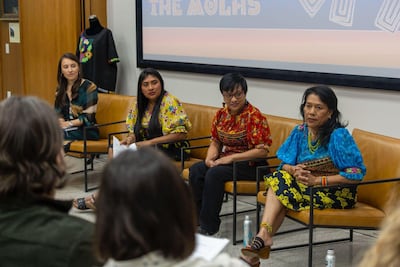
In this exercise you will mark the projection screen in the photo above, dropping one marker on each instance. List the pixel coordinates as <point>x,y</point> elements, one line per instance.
<point>337,42</point>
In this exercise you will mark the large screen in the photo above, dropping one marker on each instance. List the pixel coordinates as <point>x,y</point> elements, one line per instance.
<point>337,42</point>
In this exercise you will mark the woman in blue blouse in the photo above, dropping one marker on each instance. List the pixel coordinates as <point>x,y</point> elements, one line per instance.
<point>318,152</point>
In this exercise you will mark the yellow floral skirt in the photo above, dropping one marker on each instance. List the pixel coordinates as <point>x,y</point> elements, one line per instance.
<point>296,196</point>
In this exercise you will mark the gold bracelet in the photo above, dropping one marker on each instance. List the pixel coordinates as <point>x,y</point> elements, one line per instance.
<point>266,226</point>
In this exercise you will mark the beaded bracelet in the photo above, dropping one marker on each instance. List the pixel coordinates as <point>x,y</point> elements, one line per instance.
<point>324,181</point>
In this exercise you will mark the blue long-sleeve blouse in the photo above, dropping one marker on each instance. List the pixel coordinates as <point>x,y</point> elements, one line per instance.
<point>341,148</point>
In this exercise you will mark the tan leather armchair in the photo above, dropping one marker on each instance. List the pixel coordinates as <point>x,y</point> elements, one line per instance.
<point>381,156</point>
<point>112,110</point>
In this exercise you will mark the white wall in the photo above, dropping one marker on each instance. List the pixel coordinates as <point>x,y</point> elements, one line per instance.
<point>371,110</point>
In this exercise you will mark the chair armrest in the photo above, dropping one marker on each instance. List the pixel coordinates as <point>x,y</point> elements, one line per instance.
<point>187,139</point>
<point>195,147</point>
<point>261,168</point>
<point>256,160</point>
<point>259,176</point>
<point>377,181</point>
<point>102,124</point>
<point>199,138</point>
<point>85,128</point>
<point>388,180</point>
<point>183,153</point>
<point>114,133</point>
<point>192,147</point>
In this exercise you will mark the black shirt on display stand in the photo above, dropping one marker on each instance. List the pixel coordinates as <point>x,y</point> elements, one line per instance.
<point>98,55</point>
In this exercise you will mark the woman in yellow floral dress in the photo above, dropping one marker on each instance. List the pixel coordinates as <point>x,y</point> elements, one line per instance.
<point>155,119</point>
<point>320,151</point>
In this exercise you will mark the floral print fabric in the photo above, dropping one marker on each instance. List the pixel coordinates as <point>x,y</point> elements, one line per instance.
<point>241,132</point>
<point>172,117</point>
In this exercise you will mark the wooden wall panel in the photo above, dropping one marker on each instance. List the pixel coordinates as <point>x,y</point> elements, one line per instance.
<point>49,28</point>
<point>98,8</point>
<point>1,67</point>
<point>1,78</point>
<point>11,69</point>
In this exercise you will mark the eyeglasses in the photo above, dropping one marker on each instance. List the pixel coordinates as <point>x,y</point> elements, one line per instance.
<point>237,95</point>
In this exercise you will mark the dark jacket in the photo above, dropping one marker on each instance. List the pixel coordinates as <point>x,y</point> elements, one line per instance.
<point>39,232</point>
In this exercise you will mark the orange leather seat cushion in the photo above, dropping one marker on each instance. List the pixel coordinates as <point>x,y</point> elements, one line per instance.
<point>98,146</point>
<point>244,187</point>
<point>363,215</point>
<point>188,163</point>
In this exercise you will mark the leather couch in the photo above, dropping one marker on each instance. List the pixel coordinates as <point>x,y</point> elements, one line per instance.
<point>110,115</point>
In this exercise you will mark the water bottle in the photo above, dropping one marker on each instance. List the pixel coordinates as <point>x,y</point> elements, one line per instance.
<point>247,233</point>
<point>330,258</point>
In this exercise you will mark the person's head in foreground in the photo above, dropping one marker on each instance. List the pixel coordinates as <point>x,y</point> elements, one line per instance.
<point>31,168</point>
<point>31,155</point>
<point>144,206</point>
<point>386,249</point>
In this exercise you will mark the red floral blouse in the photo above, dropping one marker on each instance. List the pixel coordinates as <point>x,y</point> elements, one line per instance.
<point>240,132</point>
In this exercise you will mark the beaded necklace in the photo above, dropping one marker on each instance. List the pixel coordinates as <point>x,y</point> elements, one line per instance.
<point>312,147</point>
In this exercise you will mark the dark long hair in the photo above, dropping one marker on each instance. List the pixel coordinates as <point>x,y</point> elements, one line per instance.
<point>61,96</point>
<point>31,159</point>
<point>328,97</point>
<point>143,206</point>
<point>154,129</point>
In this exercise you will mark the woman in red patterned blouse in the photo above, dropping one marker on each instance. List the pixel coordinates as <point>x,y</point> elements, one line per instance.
<point>239,132</point>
